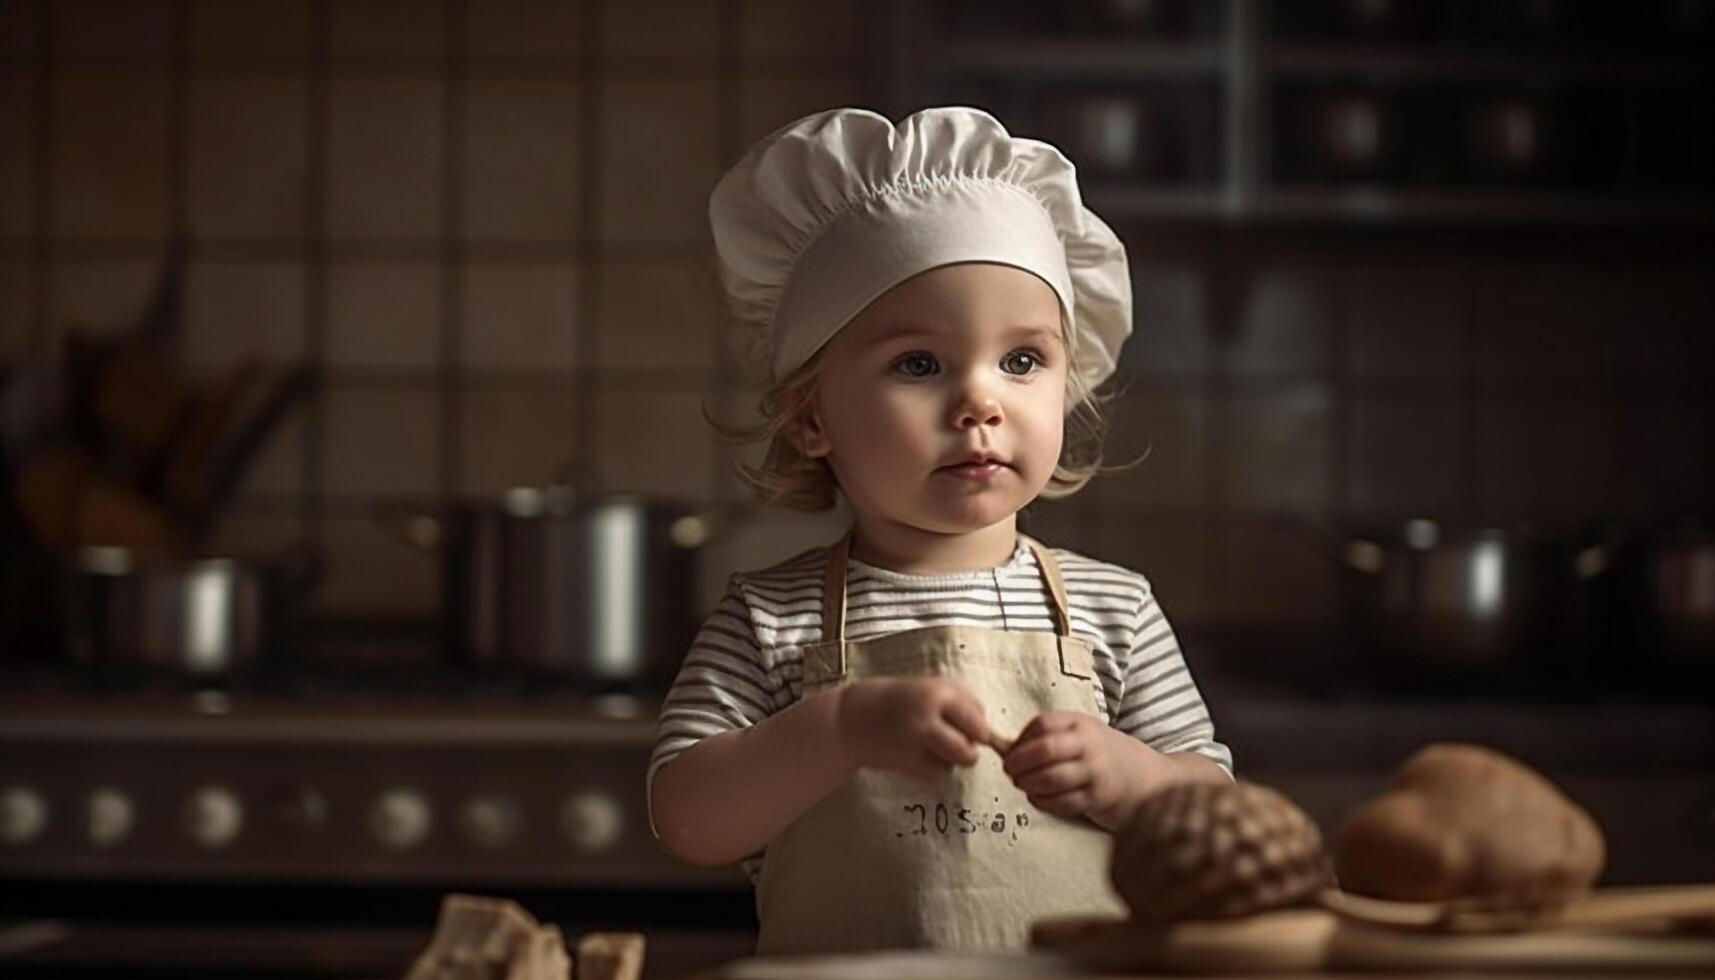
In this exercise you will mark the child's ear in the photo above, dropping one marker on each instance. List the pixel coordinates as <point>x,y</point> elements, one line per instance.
<point>807,434</point>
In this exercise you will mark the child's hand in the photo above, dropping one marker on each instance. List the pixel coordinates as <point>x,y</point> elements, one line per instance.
<point>920,726</point>
<point>1073,764</point>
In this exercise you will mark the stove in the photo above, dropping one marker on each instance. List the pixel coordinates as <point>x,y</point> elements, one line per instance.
<point>194,813</point>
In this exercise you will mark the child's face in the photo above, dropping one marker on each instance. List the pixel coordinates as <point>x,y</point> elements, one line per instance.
<point>959,360</point>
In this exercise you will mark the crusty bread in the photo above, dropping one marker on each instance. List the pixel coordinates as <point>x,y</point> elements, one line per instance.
<point>480,938</point>
<point>610,956</point>
<point>1463,821</point>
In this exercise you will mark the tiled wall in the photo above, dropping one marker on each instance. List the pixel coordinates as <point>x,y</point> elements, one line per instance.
<point>485,220</point>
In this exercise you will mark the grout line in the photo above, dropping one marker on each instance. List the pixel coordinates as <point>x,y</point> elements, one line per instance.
<point>454,136</point>
<point>584,455</point>
<point>41,225</point>
<point>317,128</point>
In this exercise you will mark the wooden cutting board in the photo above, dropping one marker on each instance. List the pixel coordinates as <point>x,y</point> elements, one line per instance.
<point>1291,941</point>
<point>1314,939</point>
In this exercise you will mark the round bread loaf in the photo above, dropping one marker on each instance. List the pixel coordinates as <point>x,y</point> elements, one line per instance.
<point>1463,821</point>
<point>1213,851</point>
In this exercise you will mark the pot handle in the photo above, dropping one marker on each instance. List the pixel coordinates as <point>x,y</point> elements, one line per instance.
<point>1357,554</point>
<point>410,525</point>
<point>700,528</point>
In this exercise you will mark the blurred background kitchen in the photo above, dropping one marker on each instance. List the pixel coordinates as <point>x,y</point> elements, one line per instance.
<point>358,500</point>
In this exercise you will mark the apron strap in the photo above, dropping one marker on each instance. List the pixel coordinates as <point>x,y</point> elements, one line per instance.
<point>1056,585</point>
<point>834,588</point>
<point>834,591</point>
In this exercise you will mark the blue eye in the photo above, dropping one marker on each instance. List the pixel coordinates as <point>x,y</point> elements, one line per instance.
<point>1020,362</point>
<point>915,364</point>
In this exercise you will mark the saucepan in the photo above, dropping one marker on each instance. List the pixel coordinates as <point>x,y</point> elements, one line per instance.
<point>1427,604</point>
<point>208,618</point>
<point>597,590</point>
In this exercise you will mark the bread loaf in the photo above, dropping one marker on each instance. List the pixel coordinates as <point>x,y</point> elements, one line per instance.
<point>1463,821</point>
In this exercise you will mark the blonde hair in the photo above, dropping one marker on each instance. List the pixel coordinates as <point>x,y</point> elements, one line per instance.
<point>788,478</point>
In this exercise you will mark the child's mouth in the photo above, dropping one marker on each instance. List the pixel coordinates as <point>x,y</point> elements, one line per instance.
<point>975,471</point>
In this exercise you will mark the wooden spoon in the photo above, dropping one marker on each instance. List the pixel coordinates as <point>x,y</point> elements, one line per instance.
<point>1603,907</point>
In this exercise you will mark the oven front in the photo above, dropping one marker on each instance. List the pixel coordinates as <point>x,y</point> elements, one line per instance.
<point>217,837</point>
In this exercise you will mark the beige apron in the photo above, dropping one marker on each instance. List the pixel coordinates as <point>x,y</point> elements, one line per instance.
<point>887,862</point>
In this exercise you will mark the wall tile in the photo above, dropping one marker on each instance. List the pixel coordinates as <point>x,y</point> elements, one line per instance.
<point>652,439</point>
<point>256,30</point>
<point>362,29</point>
<point>1278,448</point>
<point>246,157</point>
<point>17,149</point>
<point>381,441</point>
<point>660,140</point>
<point>770,100</point>
<point>765,538</point>
<point>1170,322</point>
<point>1548,325</point>
<point>1407,456</point>
<point>1546,462</point>
<point>1667,466</point>
<point>384,314</point>
<point>17,307</point>
<point>1408,323</point>
<point>675,29</point>
<point>516,437</point>
<point>1073,522</point>
<point>1272,575</point>
<point>1667,316</point>
<point>250,533</point>
<point>101,295</point>
<point>277,469</point>
<point>515,30</point>
<point>110,157</point>
<point>659,313</point>
<point>1170,552</point>
<point>521,155</point>
<point>384,158</point>
<point>521,316</point>
<point>238,309</point>
<point>1283,323</point>
<point>1166,426</point>
<point>826,31</point>
<point>100,29</point>
<point>18,21</point>
<point>370,572</point>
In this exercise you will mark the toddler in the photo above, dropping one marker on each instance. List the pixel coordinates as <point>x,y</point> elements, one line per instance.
<point>922,735</point>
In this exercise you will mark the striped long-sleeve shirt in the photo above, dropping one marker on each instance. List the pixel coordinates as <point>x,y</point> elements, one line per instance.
<point>745,663</point>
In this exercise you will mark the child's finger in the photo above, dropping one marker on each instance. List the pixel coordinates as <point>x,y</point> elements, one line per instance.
<point>1047,723</point>
<point>966,715</point>
<point>950,745</point>
<point>1041,750</point>
<point>1061,777</point>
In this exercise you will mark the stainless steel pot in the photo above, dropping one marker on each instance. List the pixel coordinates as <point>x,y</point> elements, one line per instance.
<point>1678,599</point>
<point>197,618</point>
<point>1444,603</point>
<point>600,591</point>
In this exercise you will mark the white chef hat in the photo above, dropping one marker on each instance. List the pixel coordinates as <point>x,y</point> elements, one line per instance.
<point>827,213</point>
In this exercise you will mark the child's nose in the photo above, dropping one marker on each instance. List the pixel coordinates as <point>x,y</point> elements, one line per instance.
<point>976,406</point>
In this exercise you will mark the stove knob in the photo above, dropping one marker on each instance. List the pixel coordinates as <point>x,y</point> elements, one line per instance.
<point>490,821</point>
<point>301,811</point>
<point>591,820</point>
<point>23,815</point>
<point>400,819</point>
<point>214,817</point>
<point>111,817</point>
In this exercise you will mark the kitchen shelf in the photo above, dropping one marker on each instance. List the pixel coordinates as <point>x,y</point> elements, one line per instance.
<point>1220,121</point>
